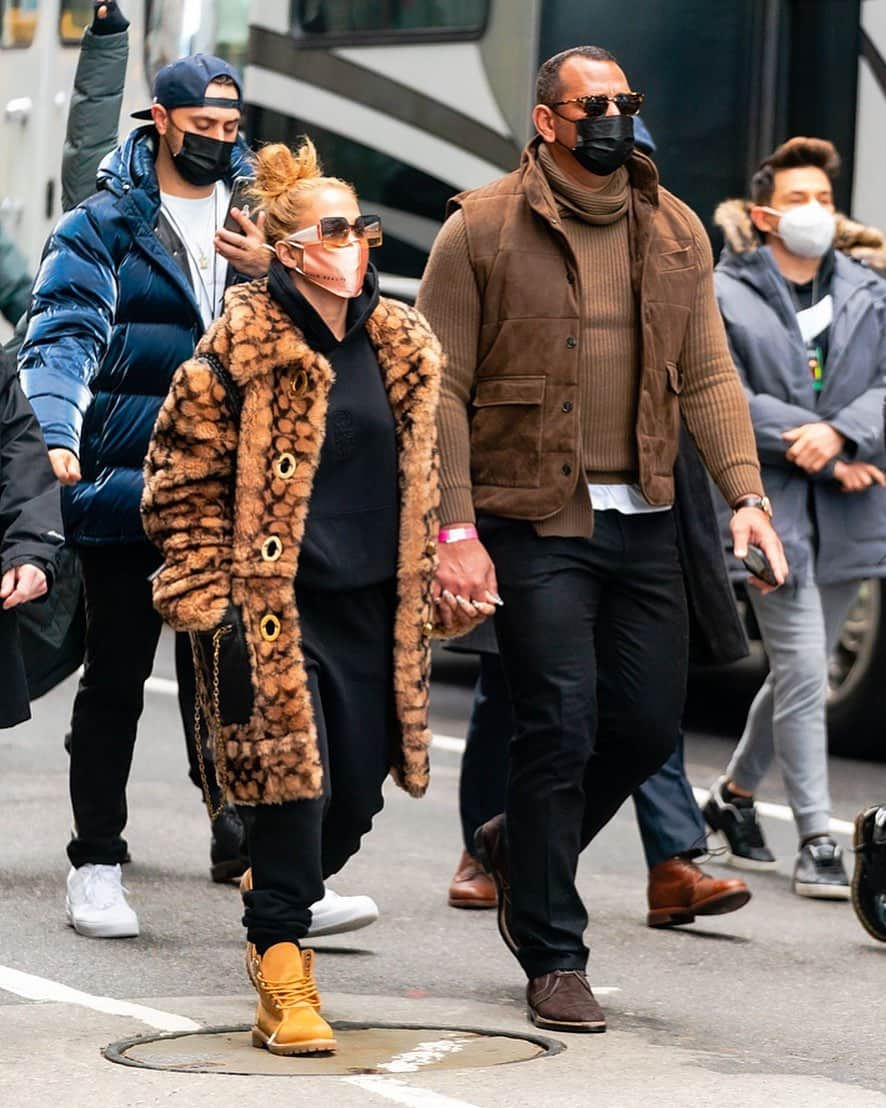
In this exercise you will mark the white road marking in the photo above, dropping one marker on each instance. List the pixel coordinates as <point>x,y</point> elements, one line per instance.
<point>30,987</point>
<point>408,1095</point>
<point>453,745</point>
<point>423,1054</point>
<point>161,685</point>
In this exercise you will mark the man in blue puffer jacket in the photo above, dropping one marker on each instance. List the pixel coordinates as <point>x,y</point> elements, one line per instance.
<point>129,280</point>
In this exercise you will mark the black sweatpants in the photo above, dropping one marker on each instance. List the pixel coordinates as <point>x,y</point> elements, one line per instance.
<point>594,640</point>
<point>347,639</point>
<point>122,630</point>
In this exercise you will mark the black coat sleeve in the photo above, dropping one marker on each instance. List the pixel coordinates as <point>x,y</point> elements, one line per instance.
<point>30,502</point>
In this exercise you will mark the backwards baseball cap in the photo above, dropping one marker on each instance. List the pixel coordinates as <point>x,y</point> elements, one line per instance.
<point>183,84</point>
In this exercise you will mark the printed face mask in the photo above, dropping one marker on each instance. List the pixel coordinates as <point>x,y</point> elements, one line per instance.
<point>341,270</point>
<point>202,160</point>
<point>604,144</point>
<point>807,231</point>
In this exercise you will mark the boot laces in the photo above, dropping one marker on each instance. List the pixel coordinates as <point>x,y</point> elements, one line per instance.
<point>291,994</point>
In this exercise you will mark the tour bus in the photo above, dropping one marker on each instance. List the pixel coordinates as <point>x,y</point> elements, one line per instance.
<point>415,100</point>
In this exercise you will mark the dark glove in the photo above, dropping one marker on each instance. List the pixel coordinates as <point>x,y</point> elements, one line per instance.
<point>107,18</point>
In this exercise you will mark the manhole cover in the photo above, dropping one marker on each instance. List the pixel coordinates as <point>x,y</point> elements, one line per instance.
<point>362,1048</point>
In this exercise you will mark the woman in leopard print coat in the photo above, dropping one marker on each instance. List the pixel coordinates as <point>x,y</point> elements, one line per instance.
<point>291,486</point>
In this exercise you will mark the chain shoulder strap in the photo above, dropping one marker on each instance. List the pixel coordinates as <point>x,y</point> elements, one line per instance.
<point>207,709</point>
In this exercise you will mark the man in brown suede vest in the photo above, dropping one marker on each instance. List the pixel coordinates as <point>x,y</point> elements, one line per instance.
<point>575,304</point>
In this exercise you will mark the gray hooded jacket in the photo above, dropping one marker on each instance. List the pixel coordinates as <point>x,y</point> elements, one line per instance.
<point>812,513</point>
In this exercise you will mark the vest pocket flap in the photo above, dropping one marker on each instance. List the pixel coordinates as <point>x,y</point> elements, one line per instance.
<point>680,257</point>
<point>509,390</point>
<point>675,377</point>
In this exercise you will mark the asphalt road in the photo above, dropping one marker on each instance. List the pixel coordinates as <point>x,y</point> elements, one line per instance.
<point>778,1004</point>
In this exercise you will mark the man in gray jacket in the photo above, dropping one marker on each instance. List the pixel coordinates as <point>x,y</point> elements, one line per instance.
<point>807,328</point>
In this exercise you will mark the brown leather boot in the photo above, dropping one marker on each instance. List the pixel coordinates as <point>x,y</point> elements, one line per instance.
<point>563,1001</point>
<point>491,850</point>
<point>471,887</point>
<point>679,891</point>
<point>288,1020</point>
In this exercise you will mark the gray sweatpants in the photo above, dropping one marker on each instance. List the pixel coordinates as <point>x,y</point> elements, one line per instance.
<point>787,720</point>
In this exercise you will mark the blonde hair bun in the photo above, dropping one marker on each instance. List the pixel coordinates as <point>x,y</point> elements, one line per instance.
<point>285,180</point>
<point>278,170</point>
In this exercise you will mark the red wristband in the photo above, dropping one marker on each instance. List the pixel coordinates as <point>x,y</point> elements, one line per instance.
<point>457,534</point>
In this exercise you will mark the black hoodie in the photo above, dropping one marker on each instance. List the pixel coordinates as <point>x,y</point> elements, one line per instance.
<point>352,528</point>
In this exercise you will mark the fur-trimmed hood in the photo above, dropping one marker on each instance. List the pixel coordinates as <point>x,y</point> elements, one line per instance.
<point>227,498</point>
<point>865,244</point>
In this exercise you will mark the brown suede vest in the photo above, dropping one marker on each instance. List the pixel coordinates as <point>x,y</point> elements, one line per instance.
<point>525,426</point>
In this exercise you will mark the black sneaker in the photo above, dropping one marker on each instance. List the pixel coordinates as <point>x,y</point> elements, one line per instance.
<point>869,878</point>
<point>736,820</point>
<point>819,870</point>
<point>228,854</point>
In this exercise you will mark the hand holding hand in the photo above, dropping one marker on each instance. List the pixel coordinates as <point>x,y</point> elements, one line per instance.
<point>813,445</point>
<point>465,585</point>
<point>21,584</point>
<point>246,252</point>
<point>65,466</point>
<point>753,525</point>
<point>858,476</point>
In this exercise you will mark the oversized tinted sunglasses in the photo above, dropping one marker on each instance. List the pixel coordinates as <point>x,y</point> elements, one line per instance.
<point>335,231</point>
<point>628,103</point>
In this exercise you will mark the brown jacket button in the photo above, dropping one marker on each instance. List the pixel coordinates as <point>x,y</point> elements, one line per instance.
<point>572,342</point>
<point>566,469</point>
<point>567,405</point>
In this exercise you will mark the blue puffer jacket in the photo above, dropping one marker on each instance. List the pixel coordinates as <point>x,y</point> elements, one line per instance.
<point>112,318</point>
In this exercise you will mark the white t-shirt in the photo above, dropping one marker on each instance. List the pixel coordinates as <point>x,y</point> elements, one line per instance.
<point>195,222</point>
<point>627,499</point>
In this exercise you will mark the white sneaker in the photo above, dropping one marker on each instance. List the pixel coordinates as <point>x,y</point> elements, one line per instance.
<point>97,905</point>
<point>335,914</point>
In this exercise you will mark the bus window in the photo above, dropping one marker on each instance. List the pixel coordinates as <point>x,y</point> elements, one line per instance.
<point>74,17</point>
<point>176,28</point>
<point>395,18</point>
<point>18,22</point>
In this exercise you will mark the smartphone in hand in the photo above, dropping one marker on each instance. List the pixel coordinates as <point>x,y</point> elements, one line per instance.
<point>241,199</point>
<point>757,564</point>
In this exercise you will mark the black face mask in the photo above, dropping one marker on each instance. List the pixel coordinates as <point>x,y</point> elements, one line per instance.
<point>202,160</point>
<point>604,144</point>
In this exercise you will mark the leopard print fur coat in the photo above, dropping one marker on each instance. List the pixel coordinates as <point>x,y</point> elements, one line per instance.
<point>216,493</point>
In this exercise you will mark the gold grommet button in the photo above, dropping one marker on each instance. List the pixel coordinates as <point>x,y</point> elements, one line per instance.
<point>298,383</point>
<point>284,466</point>
<point>271,549</point>
<point>270,628</point>
<point>427,629</point>
<point>431,548</point>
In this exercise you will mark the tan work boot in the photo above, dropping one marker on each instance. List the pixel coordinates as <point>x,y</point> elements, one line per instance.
<point>253,966</point>
<point>288,1020</point>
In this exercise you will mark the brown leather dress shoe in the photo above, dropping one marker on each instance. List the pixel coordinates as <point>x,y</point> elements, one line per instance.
<point>563,1001</point>
<point>491,849</point>
<point>471,887</point>
<point>679,891</point>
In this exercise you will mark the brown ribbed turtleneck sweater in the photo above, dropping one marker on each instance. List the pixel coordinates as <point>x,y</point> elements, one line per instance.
<point>597,227</point>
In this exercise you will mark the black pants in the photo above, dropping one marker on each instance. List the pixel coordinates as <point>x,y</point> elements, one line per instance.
<point>122,630</point>
<point>594,641</point>
<point>668,816</point>
<point>347,638</point>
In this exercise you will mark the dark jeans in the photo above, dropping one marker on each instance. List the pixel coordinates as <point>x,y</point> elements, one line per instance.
<point>122,630</point>
<point>347,639</point>
<point>594,641</point>
<point>668,816</point>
